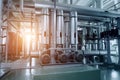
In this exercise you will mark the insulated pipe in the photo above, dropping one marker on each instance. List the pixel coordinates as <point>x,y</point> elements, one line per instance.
<point>60,1</point>
<point>81,10</point>
<point>53,31</point>
<point>118,40</point>
<point>1,7</point>
<point>45,26</point>
<point>54,24</point>
<point>76,29</point>
<point>74,38</point>
<point>72,21</point>
<point>67,32</point>
<point>63,30</point>
<point>21,4</point>
<point>59,26</point>
<point>107,24</point>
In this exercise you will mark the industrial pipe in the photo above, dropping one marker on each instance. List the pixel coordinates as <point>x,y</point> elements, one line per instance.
<point>73,21</point>
<point>81,10</point>
<point>59,26</point>
<point>45,26</point>
<point>67,32</point>
<point>21,4</point>
<point>1,7</point>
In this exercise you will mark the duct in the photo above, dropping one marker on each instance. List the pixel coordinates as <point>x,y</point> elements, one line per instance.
<point>59,26</point>
<point>81,10</point>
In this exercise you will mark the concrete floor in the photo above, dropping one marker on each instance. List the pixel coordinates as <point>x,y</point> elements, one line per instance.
<point>25,73</point>
<point>3,72</point>
<point>28,74</point>
<point>110,74</point>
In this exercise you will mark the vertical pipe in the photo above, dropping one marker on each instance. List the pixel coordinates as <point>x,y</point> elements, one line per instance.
<point>100,41</point>
<point>45,23</point>
<point>53,31</point>
<point>17,44</point>
<point>76,29</point>
<point>63,29</point>
<point>23,47</point>
<point>30,48</point>
<point>108,44</point>
<point>40,31</point>
<point>83,39</point>
<point>1,7</point>
<point>60,1</point>
<point>52,27</point>
<point>72,21</point>
<point>21,4</point>
<point>74,37</point>
<point>59,26</point>
<point>67,32</point>
<point>98,3</point>
<point>54,24</point>
<point>118,24</point>
<point>71,1</point>
<point>7,38</point>
<point>37,35</point>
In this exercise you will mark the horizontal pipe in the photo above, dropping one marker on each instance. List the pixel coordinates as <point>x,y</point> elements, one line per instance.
<point>81,10</point>
<point>15,20</point>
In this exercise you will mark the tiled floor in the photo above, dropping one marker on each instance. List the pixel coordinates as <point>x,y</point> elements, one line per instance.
<point>28,74</point>
<point>3,72</point>
<point>110,74</point>
<point>21,63</point>
<point>20,71</point>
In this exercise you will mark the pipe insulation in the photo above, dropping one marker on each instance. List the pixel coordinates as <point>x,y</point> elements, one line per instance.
<point>59,26</point>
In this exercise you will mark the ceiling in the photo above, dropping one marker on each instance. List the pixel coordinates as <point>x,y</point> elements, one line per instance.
<point>76,2</point>
<point>82,2</point>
